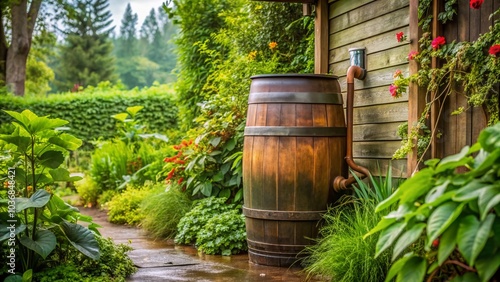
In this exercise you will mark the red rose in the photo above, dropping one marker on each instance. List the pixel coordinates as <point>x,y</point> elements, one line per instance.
<point>476,4</point>
<point>394,90</point>
<point>437,42</point>
<point>400,36</point>
<point>412,55</point>
<point>495,50</point>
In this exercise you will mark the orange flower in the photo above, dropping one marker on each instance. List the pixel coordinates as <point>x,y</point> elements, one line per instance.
<point>398,73</point>
<point>273,45</point>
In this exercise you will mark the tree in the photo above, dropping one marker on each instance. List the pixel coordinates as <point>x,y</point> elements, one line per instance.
<point>127,40</point>
<point>13,57</point>
<point>85,57</point>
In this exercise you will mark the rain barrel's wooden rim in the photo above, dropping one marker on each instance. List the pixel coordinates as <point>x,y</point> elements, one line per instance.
<point>283,215</point>
<point>297,131</point>
<point>295,98</point>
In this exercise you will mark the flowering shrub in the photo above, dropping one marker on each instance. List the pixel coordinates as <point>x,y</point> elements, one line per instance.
<point>464,64</point>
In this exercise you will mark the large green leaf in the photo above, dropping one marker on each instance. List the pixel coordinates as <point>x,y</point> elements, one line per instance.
<point>489,138</point>
<point>44,243</point>
<point>5,231</point>
<point>51,159</point>
<point>134,110</point>
<point>413,270</point>
<point>388,236</point>
<point>408,238</point>
<point>62,174</point>
<point>441,218</point>
<point>22,119</point>
<point>121,117</point>
<point>454,161</point>
<point>382,224</point>
<point>488,198</point>
<point>397,266</point>
<point>467,277</point>
<point>66,141</point>
<point>486,163</point>
<point>39,199</point>
<point>447,243</point>
<point>436,192</point>
<point>470,191</point>
<point>472,236</point>
<point>487,266</point>
<point>22,142</point>
<point>82,239</point>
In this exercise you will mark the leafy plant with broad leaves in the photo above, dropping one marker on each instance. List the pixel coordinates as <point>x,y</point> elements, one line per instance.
<point>456,214</point>
<point>33,155</point>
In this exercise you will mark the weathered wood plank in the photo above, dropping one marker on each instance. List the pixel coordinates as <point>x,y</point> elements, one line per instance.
<point>376,132</point>
<point>341,7</point>
<point>375,96</point>
<point>382,77</point>
<point>396,112</point>
<point>364,13</point>
<point>392,57</point>
<point>321,38</point>
<point>374,149</point>
<point>391,21</point>
<point>381,42</point>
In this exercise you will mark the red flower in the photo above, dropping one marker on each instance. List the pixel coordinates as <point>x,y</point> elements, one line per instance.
<point>437,42</point>
<point>171,174</point>
<point>394,90</point>
<point>400,36</point>
<point>412,55</point>
<point>435,243</point>
<point>495,50</point>
<point>476,4</point>
<point>180,180</point>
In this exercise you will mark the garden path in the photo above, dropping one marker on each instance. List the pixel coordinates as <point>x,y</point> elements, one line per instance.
<point>163,261</point>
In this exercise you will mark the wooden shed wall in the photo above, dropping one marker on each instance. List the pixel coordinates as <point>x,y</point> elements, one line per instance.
<point>372,24</point>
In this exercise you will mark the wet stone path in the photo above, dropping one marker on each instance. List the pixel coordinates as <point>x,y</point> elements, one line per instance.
<point>163,261</point>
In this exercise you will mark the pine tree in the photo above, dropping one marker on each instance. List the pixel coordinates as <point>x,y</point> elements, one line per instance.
<point>85,57</point>
<point>127,45</point>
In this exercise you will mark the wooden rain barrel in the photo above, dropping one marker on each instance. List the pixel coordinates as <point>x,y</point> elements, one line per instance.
<point>295,143</point>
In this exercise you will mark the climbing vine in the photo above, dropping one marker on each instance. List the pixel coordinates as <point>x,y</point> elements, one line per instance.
<point>471,69</point>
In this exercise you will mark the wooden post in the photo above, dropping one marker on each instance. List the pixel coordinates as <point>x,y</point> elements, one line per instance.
<point>321,37</point>
<point>416,95</point>
<point>436,104</point>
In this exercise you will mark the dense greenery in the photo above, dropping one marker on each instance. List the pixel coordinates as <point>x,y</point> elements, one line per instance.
<point>456,214</point>
<point>125,207</point>
<point>32,157</point>
<point>90,112</point>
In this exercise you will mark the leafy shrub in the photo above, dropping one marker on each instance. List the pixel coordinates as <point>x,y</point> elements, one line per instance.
<point>109,164</point>
<point>88,191</point>
<point>125,208</point>
<point>163,210</point>
<point>456,214</point>
<point>223,234</point>
<point>89,111</point>
<point>341,253</point>
<point>114,265</point>
<point>196,219</point>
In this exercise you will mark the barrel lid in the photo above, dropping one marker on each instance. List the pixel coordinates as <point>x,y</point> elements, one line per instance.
<point>296,75</point>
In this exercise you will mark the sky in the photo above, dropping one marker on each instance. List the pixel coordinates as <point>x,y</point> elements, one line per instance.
<point>141,7</point>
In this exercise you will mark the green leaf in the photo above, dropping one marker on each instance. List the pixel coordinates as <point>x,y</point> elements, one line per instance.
<point>22,119</point>
<point>436,192</point>
<point>51,159</point>
<point>22,142</point>
<point>470,191</point>
<point>454,161</point>
<point>467,277</point>
<point>447,243</point>
<point>43,244</point>
<point>39,199</point>
<point>225,193</point>
<point>442,217</point>
<point>472,236</point>
<point>397,266</point>
<point>66,141</point>
<point>408,238</point>
<point>388,236</point>
<point>489,138</point>
<point>218,177</point>
<point>82,239</point>
<point>382,224</point>
<point>487,266</point>
<point>413,270</point>
<point>215,141</point>
<point>5,230</point>
<point>207,189</point>
<point>486,163</point>
<point>28,275</point>
<point>62,175</point>
<point>134,110</point>
<point>230,144</point>
<point>121,117</point>
<point>488,198</point>
<point>13,278</point>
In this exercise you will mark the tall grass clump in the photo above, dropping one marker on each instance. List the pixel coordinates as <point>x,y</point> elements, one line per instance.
<point>163,211</point>
<point>341,253</point>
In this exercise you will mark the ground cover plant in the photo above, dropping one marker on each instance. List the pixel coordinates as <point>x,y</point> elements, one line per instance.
<point>341,253</point>
<point>125,207</point>
<point>34,222</point>
<point>456,214</point>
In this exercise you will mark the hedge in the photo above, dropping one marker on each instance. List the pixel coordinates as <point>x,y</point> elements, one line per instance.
<point>89,111</point>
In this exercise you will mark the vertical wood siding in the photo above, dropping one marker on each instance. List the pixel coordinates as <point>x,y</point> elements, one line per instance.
<point>372,24</point>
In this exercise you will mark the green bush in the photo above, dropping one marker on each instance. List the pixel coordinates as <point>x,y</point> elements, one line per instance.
<point>163,210</point>
<point>125,208</point>
<point>88,191</point>
<point>223,234</point>
<point>89,111</point>
<point>456,214</point>
<point>67,265</point>
<point>196,219</point>
<point>109,164</point>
